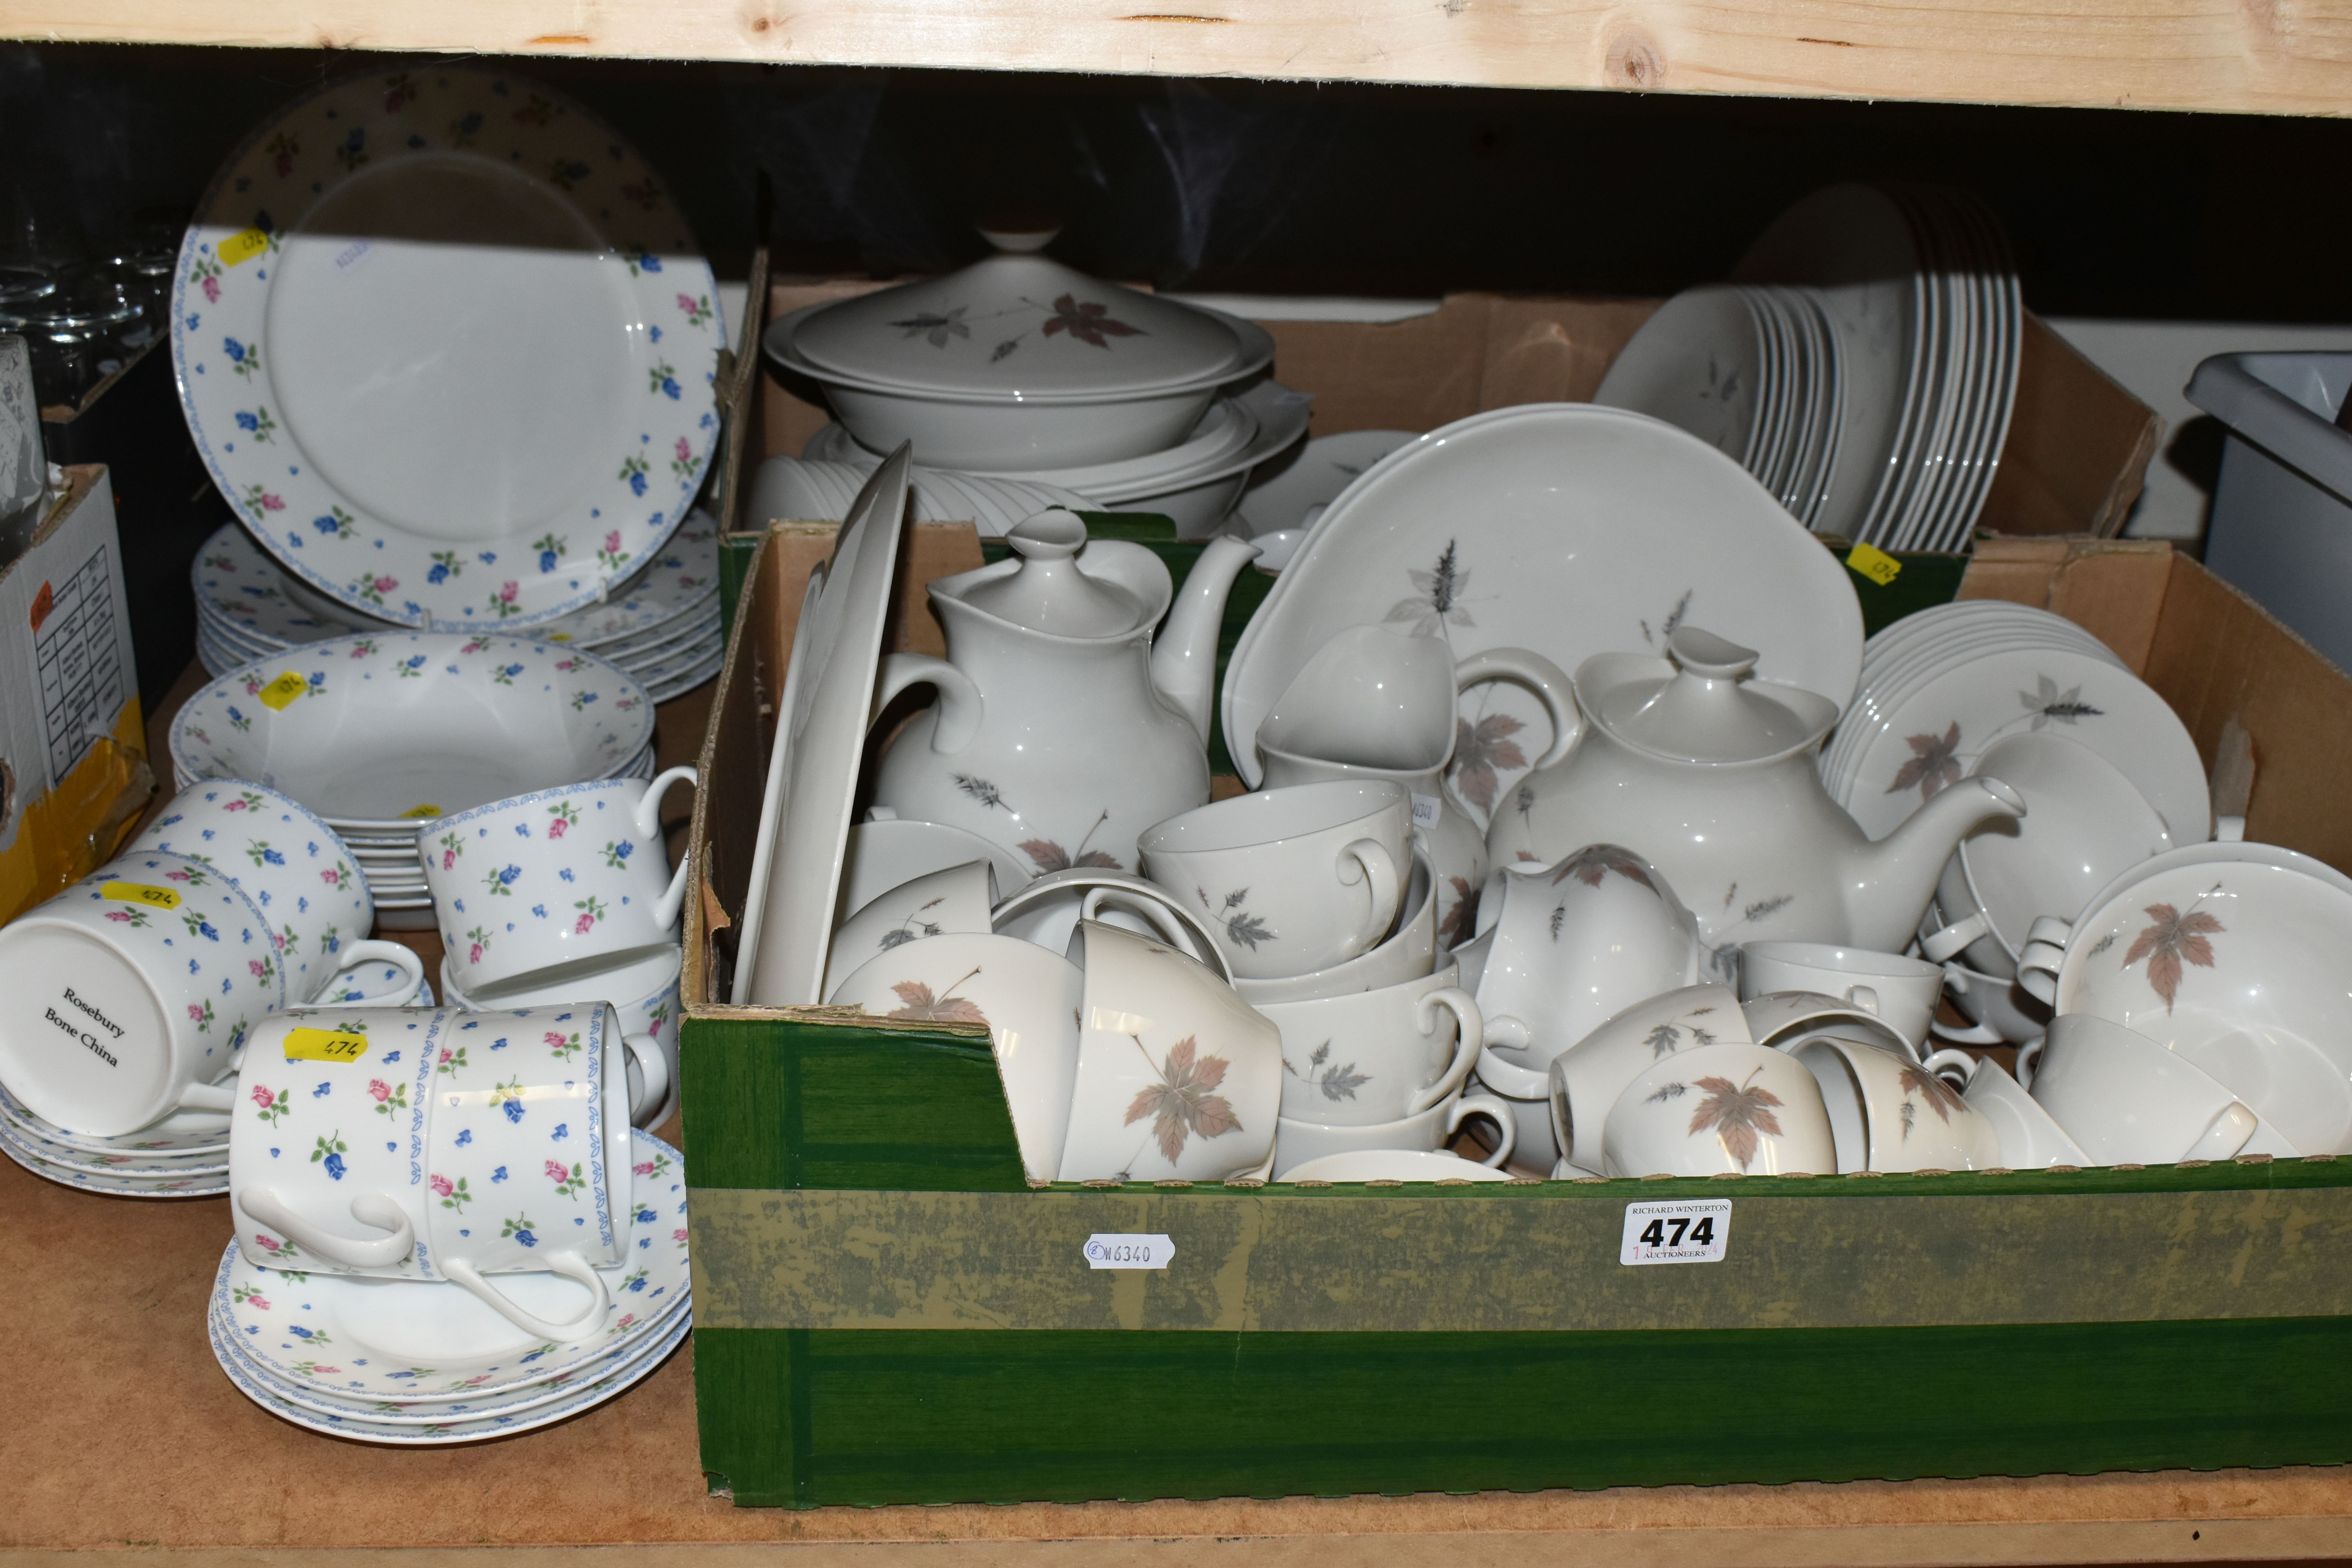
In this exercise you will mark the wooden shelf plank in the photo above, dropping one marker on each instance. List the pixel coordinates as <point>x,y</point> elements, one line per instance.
<point>2286,56</point>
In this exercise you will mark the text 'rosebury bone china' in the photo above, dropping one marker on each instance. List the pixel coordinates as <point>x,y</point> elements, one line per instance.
<point>446,346</point>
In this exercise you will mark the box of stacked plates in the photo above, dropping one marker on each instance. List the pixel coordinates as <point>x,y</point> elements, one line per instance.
<point>464,405</point>
<point>1640,938</point>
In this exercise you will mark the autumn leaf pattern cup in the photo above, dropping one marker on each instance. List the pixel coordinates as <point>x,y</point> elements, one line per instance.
<point>1584,1082</point>
<point>554,885</point>
<point>955,900</point>
<point>1901,992</point>
<point>1408,951</point>
<point>1745,1111</point>
<point>1377,1056</point>
<point>398,1143</point>
<point>293,867</point>
<point>2030,1137</point>
<point>1177,1078</point>
<point>1890,1113</point>
<point>1048,911</point>
<point>126,997</point>
<point>1027,997</point>
<point>1296,1143</point>
<point>2126,1100</point>
<point>1291,880</point>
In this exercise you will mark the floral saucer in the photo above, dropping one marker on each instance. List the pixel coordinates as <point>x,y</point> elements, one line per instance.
<point>416,1343</point>
<point>127,1186</point>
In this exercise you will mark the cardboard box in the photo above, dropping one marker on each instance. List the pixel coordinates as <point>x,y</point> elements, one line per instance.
<point>887,1312</point>
<point>73,749</point>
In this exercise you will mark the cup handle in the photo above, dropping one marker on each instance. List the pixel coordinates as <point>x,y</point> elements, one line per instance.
<point>1469,1041</point>
<point>1948,943</point>
<point>1378,870</point>
<point>1161,913</point>
<point>2229,1132</point>
<point>653,1073</point>
<point>572,1265</point>
<point>1546,680</point>
<point>649,809</point>
<point>264,1205</point>
<point>1509,1077</point>
<point>1962,1067</point>
<point>2029,1056</point>
<point>1494,1110</point>
<point>1864,997</point>
<point>209,1096</point>
<point>400,955</point>
<point>2043,956</point>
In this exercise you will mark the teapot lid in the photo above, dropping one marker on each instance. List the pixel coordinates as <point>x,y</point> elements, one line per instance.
<point>1702,707</point>
<point>1046,592</point>
<point>1020,324</point>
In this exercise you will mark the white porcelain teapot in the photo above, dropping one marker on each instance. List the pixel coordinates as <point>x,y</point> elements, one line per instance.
<point>1709,773</point>
<point>1062,730</point>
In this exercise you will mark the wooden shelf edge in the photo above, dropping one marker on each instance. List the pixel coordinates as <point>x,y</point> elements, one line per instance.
<point>2207,55</point>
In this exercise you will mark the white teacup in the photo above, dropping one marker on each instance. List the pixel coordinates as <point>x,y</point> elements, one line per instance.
<point>1583,1082</point>
<point>2126,1100</point>
<point>1394,1165</point>
<point>888,849</point>
<point>1028,998</point>
<point>1297,1142</point>
<point>126,996</point>
<point>1376,1055</point>
<point>377,982</point>
<point>551,886</point>
<point>1720,1110</point>
<point>2029,1138</point>
<point>1889,1112</point>
<point>1781,1018</point>
<point>1291,880</point>
<point>1409,952</point>
<point>954,901</point>
<point>291,865</point>
<point>644,993</point>
<point>391,1142</point>
<point>1177,1078</point>
<point>1049,908</point>
<point>1901,992</point>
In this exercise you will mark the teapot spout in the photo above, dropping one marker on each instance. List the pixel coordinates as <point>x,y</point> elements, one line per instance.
<point>1184,654</point>
<point>1898,874</point>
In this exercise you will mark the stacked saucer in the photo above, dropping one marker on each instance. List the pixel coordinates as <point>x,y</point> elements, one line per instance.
<point>424,1363</point>
<point>1753,371</point>
<point>183,1156</point>
<point>1940,687</point>
<point>660,625</point>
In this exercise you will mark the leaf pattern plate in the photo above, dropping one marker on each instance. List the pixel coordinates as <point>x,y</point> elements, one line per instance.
<point>446,344</point>
<point>1564,528</point>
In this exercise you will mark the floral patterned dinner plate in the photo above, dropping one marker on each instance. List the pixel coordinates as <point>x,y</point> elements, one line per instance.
<point>118,1185</point>
<point>423,1342</point>
<point>445,344</point>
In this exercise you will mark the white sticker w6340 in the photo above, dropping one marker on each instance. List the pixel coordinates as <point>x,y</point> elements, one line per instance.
<point>1108,1251</point>
<point>1695,1232</point>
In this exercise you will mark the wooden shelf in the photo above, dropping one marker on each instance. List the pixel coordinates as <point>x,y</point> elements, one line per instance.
<point>2238,55</point>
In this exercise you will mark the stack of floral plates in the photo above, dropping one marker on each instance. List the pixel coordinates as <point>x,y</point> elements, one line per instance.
<point>660,625</point>
<point>1753,371</point>
<point>422,1363</point>
<point>1940,687</point>
<point>183,1156</point>
<point>381,734</point>
<point>1921,297</point>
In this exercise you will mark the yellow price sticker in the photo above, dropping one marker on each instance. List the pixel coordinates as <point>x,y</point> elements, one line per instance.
<point>140,893</point>
<point>282,690</point>
<point>243,247</point>
<point>422,811</point>
<point>558,637</point>
<point>324,1045</point>
<point>1875,563</point>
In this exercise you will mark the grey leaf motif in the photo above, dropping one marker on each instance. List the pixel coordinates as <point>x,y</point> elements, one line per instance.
<point>1322,1054</point>
<point>936,327</point>
<point>1006,347</point>
<point>1663,1040</point>
<point>898,936</point>
<point>1763,907</point>
<point>2046,703</point>
<point>1343,1082</point>
<point>2101,945</point>
<point>1665,1092</point>
<point>1248,930</point>
<point>980,790</point>
<point>1437,602</point>
<point>1700,1036</point>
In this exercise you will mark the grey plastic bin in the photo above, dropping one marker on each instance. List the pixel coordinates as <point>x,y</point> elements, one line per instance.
<point>2281,524</point>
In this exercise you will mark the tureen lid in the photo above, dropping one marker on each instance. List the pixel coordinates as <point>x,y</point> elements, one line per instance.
<point>1702,707</point>
<point>1019,324</point>
<point>1046,592</point>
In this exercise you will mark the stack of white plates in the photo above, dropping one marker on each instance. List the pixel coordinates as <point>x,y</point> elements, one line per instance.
<point>183,1156</point>
<point>1940,687</point>
<point>1921,297</point>
<point>821,491</point>
<point>660,625</point>
<point>1753,371</point>
<point>1195,482</point>
<point>423,1362</point>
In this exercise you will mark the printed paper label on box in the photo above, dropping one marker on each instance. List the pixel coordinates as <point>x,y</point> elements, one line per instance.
<point>75,658</point>
<point>1126,1252</point>
<point>1697,1231</point>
